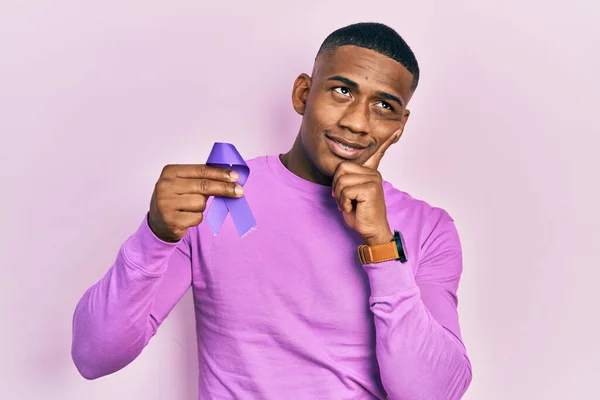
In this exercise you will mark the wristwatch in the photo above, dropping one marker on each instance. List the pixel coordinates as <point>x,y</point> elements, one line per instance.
<point>377,253</point>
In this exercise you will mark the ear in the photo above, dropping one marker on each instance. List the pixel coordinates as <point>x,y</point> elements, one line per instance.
<point>403,123</point>
<point>300,92</point>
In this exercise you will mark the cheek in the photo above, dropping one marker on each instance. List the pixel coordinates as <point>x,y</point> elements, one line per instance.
<point>380,139</point>
<point>323,112</point>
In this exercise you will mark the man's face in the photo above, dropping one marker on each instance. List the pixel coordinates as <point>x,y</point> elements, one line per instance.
<point>355,101</point>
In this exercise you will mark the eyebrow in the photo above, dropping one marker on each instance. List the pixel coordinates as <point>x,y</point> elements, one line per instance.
<point>354,85</point>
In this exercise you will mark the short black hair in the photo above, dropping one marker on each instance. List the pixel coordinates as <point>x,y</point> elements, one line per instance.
<point>373,36</point>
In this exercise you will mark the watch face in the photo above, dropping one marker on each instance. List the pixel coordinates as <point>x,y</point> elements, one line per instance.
<point>401,246</point>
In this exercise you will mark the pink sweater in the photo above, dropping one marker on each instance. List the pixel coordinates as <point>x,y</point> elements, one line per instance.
<point>288,311</point>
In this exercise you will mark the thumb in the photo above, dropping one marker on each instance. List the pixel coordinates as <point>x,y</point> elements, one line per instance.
<point>375,159</point>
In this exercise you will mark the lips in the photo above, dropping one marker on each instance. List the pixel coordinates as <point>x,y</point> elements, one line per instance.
<point>346,143</point>
<point>345,149</point>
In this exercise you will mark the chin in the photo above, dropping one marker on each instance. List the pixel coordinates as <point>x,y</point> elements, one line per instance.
<point>327,164</point>
<point>321,158</point>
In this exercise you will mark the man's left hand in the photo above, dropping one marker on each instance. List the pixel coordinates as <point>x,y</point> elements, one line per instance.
<point>358,191</point>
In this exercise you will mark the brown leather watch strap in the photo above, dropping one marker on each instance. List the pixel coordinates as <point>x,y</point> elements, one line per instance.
<point>378,253</point>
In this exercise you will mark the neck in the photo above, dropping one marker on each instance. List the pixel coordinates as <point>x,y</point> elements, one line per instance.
<point>299,163</point>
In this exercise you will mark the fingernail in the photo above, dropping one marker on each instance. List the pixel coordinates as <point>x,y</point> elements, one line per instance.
<point>239,190</point>
<point>234,175</point>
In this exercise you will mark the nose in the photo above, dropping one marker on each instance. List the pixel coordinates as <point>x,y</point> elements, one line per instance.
<point>356,118</point>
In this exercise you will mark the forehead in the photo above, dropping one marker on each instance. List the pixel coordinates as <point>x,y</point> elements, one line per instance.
<point>368,68</point>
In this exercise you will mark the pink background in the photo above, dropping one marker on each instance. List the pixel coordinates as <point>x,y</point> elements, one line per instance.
<point>95,97</point>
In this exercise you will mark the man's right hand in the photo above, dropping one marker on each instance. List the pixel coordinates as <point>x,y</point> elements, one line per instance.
<point>180,195</point>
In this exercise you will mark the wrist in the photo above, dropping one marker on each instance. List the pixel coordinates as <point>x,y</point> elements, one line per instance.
<point>159,234</point>
<point>380,238</point>
<point>378,249</point>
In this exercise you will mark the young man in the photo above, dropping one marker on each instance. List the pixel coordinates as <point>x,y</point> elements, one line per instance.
<point>292,309</point>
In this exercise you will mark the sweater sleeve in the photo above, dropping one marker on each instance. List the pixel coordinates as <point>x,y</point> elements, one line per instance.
<point>418,342</point>
<point>117,316</point>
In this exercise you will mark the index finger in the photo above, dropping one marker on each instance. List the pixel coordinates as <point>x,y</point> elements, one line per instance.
<point>201,171</point>
<point>375,159</point>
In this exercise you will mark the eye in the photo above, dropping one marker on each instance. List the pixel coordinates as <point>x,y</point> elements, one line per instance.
<point>344,91</point>
<point>387,106</point>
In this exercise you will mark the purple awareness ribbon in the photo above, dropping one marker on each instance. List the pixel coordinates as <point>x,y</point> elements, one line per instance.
<point>225,155</point>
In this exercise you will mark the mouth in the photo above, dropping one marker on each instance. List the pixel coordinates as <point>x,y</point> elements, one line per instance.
<point>344,149</point>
